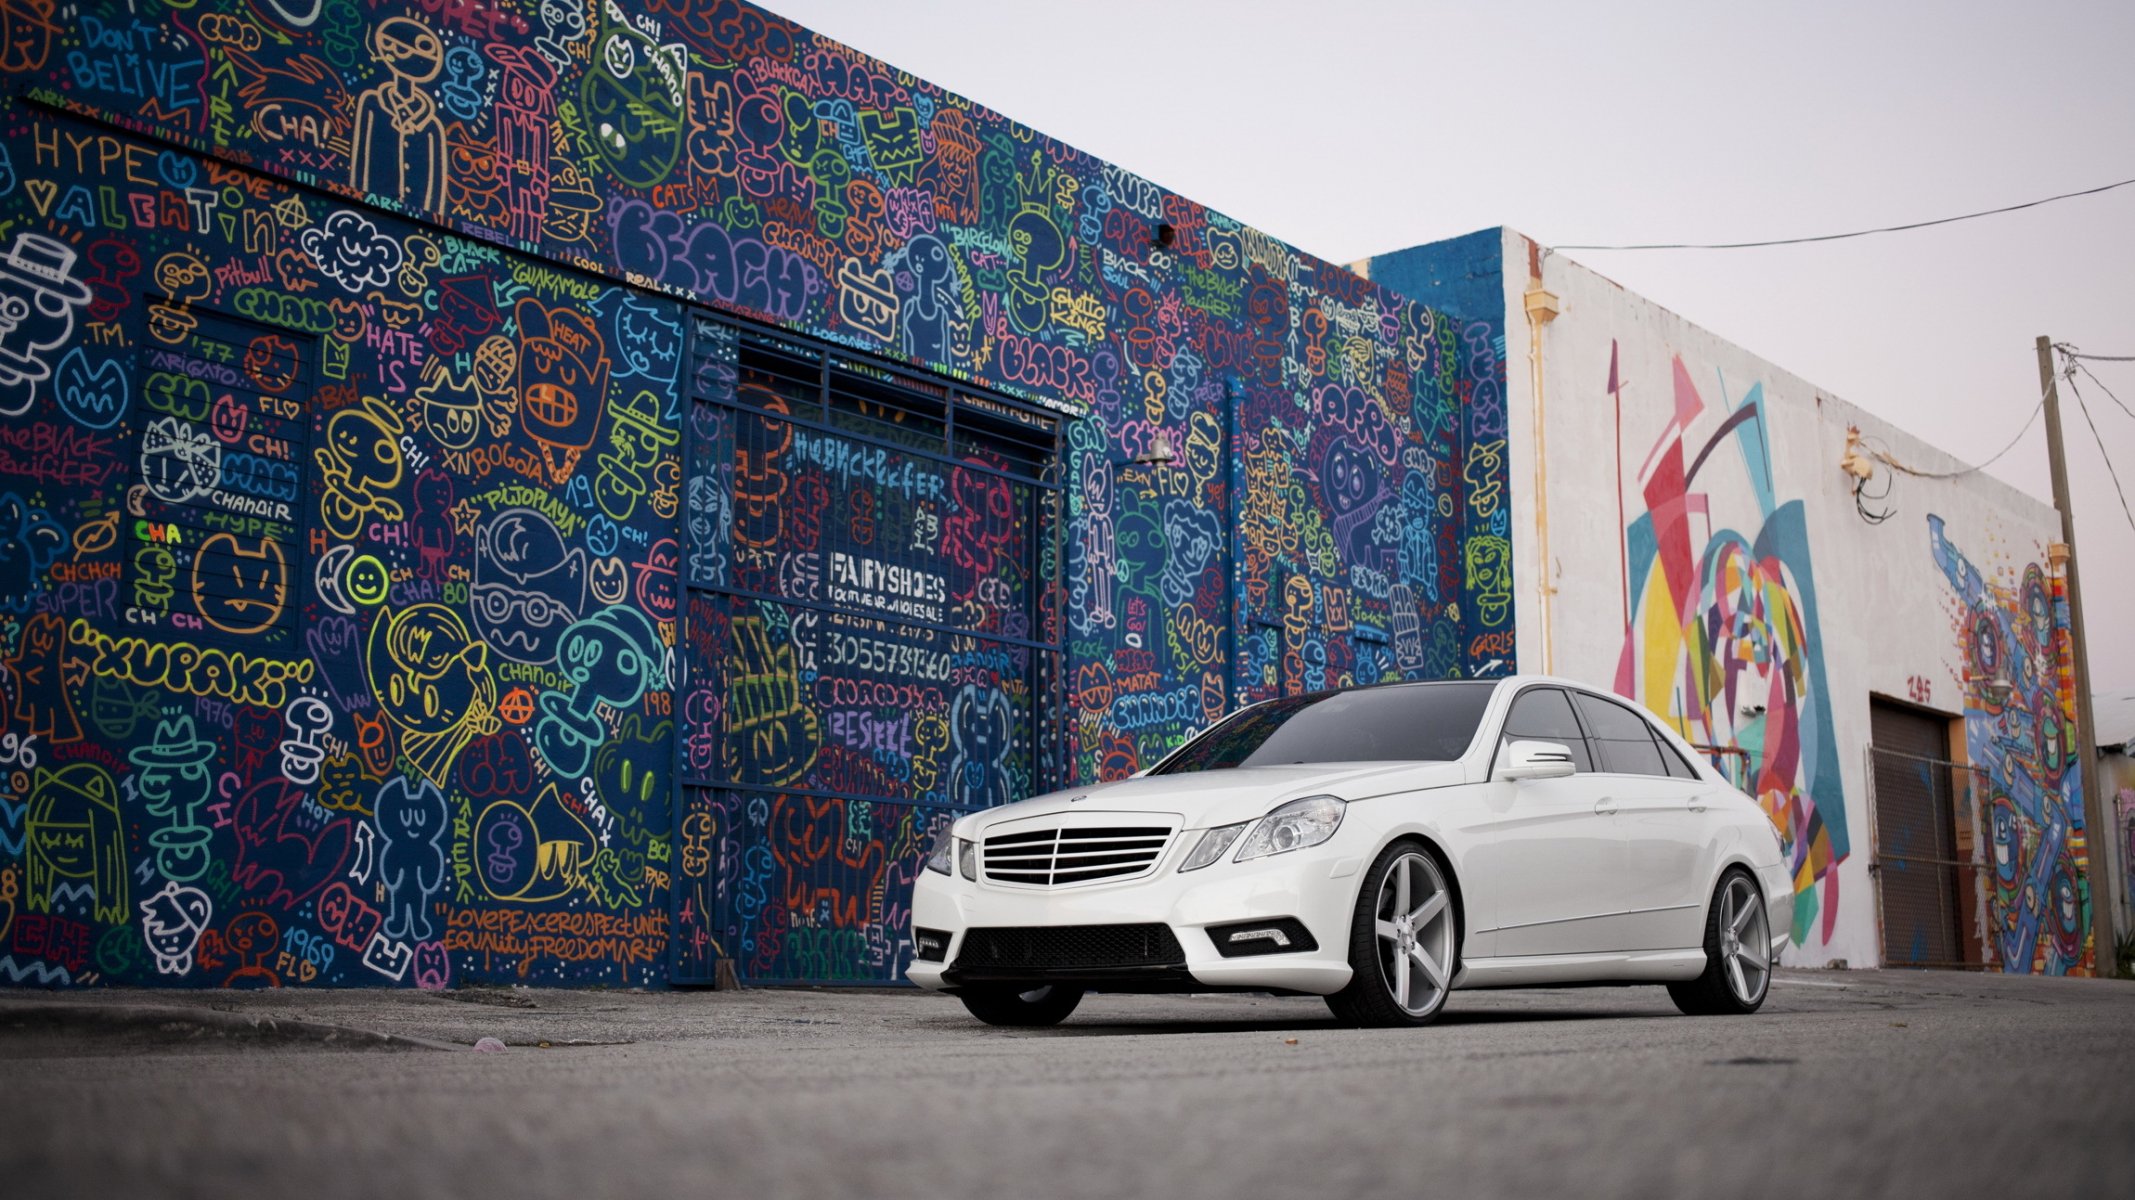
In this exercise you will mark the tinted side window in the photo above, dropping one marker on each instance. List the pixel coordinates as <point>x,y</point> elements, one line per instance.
<point>1611,720</point>
<point>1545,715</point>
<point>1622,739</point>
<point>1677,768</point>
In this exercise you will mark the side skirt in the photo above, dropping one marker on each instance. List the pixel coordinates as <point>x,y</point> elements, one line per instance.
<point>1641,966</point>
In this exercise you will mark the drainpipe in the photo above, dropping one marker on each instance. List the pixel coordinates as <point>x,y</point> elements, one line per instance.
<point>1542,307</point>
<point>1234,566</point>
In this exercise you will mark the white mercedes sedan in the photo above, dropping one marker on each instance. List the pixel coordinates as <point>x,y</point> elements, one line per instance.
<point>1378,846</point>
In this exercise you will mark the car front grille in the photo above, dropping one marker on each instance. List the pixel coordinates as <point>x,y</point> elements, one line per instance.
<point>1061,856</point>
<point>1069,947</point>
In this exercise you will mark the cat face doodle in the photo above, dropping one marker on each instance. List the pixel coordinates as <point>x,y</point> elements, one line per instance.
<point>240,588</point>
<point>179,460</point>
<point>451,406</point>
<point>632,96</point>
<point>528,586</point>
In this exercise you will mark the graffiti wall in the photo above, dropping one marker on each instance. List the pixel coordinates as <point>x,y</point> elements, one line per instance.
<point>2019,721</point>
<point>337,620</point>
<point>382,518</point>
<point>1685,534</point>
<point>1724,638</point>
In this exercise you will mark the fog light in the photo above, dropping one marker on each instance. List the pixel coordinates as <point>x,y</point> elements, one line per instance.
<point>1283,935</point>
<point>930,945</point>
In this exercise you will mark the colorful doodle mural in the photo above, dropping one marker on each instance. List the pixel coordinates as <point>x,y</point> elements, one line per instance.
<point>2020,721</point>
<point>340,564</point>
<point>299,608</point>
<point>1724,639</point>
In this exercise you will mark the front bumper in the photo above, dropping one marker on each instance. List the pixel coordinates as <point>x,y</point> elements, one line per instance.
<point>1316,886</point>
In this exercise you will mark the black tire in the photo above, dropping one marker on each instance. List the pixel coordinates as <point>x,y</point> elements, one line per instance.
<point>1371,998</point>
<point>1725,988</point>
<point>1016,1005</point>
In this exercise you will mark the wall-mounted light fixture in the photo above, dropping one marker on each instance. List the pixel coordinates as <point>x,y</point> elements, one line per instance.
<point>1161,453</point>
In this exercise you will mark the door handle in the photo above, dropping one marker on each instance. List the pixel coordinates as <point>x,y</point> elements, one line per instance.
<point>1604,806</point>
<point>1697,803</point>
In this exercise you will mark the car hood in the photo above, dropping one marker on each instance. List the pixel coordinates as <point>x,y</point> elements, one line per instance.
<point>1209,798</point>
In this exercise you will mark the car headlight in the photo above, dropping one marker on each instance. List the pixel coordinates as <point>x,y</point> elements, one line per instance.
<point>1294,826</point>
<point>1212,845</point>
<point>944,851</point>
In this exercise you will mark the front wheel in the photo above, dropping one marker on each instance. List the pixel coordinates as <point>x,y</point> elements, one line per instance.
<point>1401,942</point>
<point>1738,953</point>
<point>1016,1005</point>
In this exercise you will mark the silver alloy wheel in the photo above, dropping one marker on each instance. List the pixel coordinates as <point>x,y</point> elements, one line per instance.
<point>1745,940</point>
<point>1414,921</point>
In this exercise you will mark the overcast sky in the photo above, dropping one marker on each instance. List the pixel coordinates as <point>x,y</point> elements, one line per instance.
<point>1351,128</point>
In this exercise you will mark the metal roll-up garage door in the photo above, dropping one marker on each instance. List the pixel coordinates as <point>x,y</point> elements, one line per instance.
<point>1924,882</point>
<point>870,642</point>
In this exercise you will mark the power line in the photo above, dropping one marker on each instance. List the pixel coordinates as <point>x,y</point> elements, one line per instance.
<point>1835,237</point>
<point>2108,391</point>
<point>2110,472</point>
<point>2072,352</point>
<point>1895,465</point>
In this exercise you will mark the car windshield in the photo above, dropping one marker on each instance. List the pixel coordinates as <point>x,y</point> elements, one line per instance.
<point>1429,722</point>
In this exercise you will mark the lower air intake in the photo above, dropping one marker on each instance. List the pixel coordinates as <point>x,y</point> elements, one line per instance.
<point>1068,947</point>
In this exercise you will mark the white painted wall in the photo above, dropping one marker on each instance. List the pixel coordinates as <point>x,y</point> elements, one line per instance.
<point>1886,613</point>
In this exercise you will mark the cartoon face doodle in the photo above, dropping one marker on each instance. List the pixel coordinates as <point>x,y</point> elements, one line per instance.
<point>434,684</point>
<point>411,819</point>
<point>563,382</point>
<point>611,657</point>
<point>532,854</point>
<point>633,97</point>
<point>179,460</point>
<point>1489,561</point>
<point>116,708</point>
<point>172,921</point>
<point>452,406</point>
<point>39,299</point>
<point>74,841</point>
<point>362,463</point>
<point>528,586</point>
<point>240,588</point>
<point>307,717</point>
<point>398,149</point>
<point>172,776</point>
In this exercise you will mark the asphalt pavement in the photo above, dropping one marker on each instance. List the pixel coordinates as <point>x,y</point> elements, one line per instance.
<point>1847,1084</point>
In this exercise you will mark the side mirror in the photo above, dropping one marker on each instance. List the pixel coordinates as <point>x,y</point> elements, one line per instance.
<point>1536,760</point>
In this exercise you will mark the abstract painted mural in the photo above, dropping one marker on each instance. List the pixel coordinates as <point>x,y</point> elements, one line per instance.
<point>2020,727</point>
<point>355,512</point>
<point>1723,639</point>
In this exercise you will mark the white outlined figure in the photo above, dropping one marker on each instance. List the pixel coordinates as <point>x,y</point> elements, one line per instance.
<point>39,298</point>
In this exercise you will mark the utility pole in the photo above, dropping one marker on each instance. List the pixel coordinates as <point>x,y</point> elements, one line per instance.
<point>2096,827</point>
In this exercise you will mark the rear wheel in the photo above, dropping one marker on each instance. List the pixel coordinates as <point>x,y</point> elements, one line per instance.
<point>1402,940</point>
<point>1013,1004</point>
<point>1738,953</point>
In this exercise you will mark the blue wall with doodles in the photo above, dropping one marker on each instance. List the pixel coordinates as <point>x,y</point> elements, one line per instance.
<point>362,365</point>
